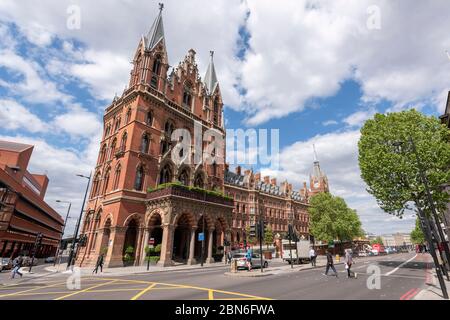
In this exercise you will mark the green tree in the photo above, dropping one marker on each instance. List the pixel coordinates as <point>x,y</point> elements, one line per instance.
<point>268,236</point>
<point>417,236</point>
<point>332,219</point>
<point>390,169</point>
<point>377,240</point>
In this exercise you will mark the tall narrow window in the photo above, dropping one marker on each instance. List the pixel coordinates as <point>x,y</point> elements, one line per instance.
<point>149,119</point>
<point>145,143</point>
<point>102,154</point>
<point>216,111</point>
<point>113,148</point>
<point>139,180</point>
<point>117,125</point>
<point>184,178</point>
<point>106,182</point>
<point>198,181</point>
<point>128,116</point>
<point>155,72</point>
<point>123,143</point>
<point>165,175</point>
<point>187,96</point>
<point>117,178</point>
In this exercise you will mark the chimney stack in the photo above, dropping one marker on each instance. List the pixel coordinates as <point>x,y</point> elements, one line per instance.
<point>238,170</point>
<point>273,181</point>
<point>266,179</point>
<point>258,176</point>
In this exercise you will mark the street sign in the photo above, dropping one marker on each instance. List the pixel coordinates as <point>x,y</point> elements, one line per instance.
<point>151,241</point>
<point>201,236</point>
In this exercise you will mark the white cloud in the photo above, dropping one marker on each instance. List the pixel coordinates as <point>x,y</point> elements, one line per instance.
<point>15,116</point>
<point>78,122</point>
<point>329,123</point>
<point>358,118</point>
<point>338,156</point>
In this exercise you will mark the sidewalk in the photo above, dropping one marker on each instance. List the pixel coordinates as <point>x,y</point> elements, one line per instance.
<point>433,290</point>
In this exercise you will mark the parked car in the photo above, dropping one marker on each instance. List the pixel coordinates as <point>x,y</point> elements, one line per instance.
<point>5,264</point>
<point>49,260</point>
<point>256,261</point>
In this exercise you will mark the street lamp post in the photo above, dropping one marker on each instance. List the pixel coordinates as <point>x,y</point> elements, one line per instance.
<point>69,263</point>
<point>64,228</point>
<point>203,231</point>
<point>427,230</point>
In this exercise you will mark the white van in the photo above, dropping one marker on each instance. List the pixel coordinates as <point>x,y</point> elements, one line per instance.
<point>302,249</point>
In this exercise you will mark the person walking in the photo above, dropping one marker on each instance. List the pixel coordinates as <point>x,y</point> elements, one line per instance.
<point>348,263</point>
<point>99,264</point>
<point>229,256</point>
<point>17,264</point>
<point>248,258</point>
<point>312,256</point>
<point>330,264</point>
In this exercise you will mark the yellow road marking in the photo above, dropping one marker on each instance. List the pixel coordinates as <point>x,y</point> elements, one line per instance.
<point>150,287</point>
<point>210,295</point>
<point>85,290</point>
<point>63,292</point>
<point>33,289</point>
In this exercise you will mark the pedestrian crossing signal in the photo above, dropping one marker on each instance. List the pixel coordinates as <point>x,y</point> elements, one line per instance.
<point>252,230</point>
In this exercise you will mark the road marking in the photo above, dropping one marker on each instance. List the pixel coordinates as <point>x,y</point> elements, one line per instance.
<point>210,295</point>
<point>401,265</point>
<point>85,290</point>
<point>150,287</point>
<point>33,289</point>
<point>408,295</point>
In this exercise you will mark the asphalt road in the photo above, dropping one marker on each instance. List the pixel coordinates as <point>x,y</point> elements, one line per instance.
<point>402,276</point>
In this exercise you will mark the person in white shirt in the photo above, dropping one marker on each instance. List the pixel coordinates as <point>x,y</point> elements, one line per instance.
<point>312,257</point>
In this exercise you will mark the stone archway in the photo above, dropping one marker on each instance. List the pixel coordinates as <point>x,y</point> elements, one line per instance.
<point>182,237</point>
<point>131,235</point>
<point>105,237</point>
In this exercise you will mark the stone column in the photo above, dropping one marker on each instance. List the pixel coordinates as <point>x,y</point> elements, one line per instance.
<point>147,232</point>
<point>114,258</point>
<point>191,259</point>
<point>166,246</point>
<point>209,258</point>
<point>139,248</point>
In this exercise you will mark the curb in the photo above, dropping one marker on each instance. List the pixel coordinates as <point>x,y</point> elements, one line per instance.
<point>248,275</point>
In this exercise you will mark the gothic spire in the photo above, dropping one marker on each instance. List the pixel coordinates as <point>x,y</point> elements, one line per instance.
<point>317,173</point>
<point>156,33</point>
<point>210,76</point>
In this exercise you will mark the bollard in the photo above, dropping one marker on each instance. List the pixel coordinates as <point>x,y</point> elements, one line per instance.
<point>234,266</point>
<point>337,258</point>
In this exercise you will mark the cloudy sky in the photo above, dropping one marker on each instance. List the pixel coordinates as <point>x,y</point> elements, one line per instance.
<point>314,69</point>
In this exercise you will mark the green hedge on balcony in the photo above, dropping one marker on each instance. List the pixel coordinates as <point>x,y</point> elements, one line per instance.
<point>196,189</point>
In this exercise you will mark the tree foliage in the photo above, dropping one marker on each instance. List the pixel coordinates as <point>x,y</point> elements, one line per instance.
<point>377,240</point>
<point>332,219</point>
<point>391,170</point>
<point>417,236</point>
<point>268,236</point>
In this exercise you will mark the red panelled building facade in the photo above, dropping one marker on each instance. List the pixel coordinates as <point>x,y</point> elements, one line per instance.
<point>23,211</point>
<point>132,198</point>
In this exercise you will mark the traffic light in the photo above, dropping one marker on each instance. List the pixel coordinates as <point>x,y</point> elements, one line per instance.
<point>290,232</point>
<point>82,240</point>
<point>261,227</point>
<point>39,237</point>
<point>252,232</point>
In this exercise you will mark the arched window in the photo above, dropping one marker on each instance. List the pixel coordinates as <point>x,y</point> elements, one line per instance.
<point>117,125</point>
<point>165,175</point>
<point>117,178</point>
<point>139,180</point>
<point>168,128</point>
<point>106,181</point>
<point>95,185</point>
<point>187,96</point>
<point>113,148</point>
<point>123,144</point>
<point>155,72</point>
<point>107,130</point>
<point>198,181</point>
<point>128,116</point>
<point>184,178</point>
<point>214,167</point>
<point>216,111</point>
<point>149,119</point>
<point>145,142</point>
<point>102,154</point>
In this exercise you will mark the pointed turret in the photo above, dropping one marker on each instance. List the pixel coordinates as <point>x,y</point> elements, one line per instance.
<point>156,33</point>
<point>318,180</point>
<point>210,76</point>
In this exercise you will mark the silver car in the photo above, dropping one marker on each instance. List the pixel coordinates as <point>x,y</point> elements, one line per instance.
<point>5,264</point>
<point>256,261</point>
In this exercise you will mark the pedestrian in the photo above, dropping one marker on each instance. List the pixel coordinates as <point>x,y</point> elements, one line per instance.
<point>248,258</point>
<point>17,264</point>
<point>229,256</point>
<point>348,263</point>
<point>99,264</point>
<point>312,256</point>
<point>330,264</point>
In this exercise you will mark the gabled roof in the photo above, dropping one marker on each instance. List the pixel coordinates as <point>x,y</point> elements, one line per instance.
<point>210,76</point>
<point>156,33</point>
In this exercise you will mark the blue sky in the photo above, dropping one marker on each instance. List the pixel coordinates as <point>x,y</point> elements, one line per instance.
<point>315,72</point>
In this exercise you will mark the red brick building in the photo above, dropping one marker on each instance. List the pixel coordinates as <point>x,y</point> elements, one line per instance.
<point>131,201</point>
<point>23,211</point>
